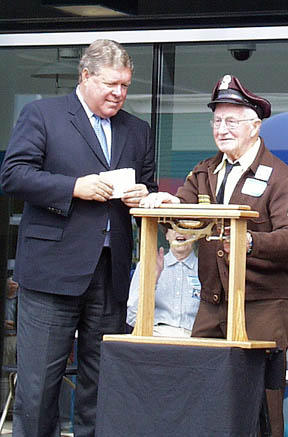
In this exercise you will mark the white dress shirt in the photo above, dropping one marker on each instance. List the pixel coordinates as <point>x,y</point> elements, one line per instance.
<point>245,161</point>
<point>106,124</point>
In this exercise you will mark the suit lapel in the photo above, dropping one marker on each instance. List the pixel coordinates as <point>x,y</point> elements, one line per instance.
<point>119,136</point>
<point>80,121</point>
<point>263,158</point>
<point>213,177</point>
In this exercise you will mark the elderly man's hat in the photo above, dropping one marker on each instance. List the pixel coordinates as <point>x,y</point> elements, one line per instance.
<point>229,90</point>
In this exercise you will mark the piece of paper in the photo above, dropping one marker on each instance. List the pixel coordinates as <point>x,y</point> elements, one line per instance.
<point>121,179</point>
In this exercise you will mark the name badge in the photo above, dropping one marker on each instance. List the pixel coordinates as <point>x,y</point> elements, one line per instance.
<point>263,172</point>
<point>254,187</point>
<point>195,285</point>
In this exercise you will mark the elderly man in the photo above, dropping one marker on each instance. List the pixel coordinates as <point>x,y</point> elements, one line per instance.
<point>243,172</point>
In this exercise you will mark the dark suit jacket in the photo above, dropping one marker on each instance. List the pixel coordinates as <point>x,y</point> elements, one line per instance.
<point>61,238</point>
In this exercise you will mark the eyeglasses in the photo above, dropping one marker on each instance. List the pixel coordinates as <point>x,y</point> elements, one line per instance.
<point>230,123</point>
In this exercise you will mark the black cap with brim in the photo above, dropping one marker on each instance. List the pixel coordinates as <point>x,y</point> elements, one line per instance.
<point>230,90</point>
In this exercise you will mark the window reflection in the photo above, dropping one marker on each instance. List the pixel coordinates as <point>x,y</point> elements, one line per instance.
<point>193,69</point>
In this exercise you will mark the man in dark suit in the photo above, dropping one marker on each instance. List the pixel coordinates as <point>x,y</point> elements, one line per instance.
<point>75,241</point>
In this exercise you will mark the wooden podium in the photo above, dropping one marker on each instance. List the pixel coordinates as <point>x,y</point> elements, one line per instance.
<point>236,330</point>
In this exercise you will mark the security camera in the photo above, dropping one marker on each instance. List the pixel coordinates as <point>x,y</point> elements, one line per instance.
<point>242,51</point>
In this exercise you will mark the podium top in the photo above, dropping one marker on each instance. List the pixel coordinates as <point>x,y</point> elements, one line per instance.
<point>188,210</point>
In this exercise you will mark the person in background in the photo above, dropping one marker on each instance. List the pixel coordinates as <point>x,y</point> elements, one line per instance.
<point>10,323</point>
<point>177,292</point>
<point>75,239</point>
<point>243,172</point>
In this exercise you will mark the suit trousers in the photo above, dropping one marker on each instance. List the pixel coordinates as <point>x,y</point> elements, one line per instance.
<point>46,329</point>
<point>266,319</point>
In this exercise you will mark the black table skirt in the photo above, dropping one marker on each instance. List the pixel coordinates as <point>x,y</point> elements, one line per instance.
<point>163,390</point>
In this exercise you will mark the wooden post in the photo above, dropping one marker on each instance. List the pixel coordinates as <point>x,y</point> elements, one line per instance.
<point>148,252</point>
<point>236,329</point>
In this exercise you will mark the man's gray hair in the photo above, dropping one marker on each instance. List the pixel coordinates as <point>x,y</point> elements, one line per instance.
<point>104,53</point>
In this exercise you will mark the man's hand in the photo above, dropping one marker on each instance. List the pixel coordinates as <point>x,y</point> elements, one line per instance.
<point>156,199</point>
<point>159,263</point>
<point>9,324</point>
<point>226,241</point>
<point>133,196</point>
<point>92,187</point>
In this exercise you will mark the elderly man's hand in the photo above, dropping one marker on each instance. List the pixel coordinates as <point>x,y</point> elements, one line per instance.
<point>156,199</point>
<point>226,241</point>
<point>133,196</point>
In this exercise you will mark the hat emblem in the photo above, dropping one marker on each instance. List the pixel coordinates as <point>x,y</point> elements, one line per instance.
<point>224,85</point>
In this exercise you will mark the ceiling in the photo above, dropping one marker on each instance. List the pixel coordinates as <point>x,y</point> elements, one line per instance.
<point>148,9</point>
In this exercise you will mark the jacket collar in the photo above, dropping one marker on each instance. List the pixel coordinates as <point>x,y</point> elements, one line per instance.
<point>80,121</point>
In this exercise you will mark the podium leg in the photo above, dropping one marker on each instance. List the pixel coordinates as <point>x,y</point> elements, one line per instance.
<point>148,252</point>
<point>236,329</point>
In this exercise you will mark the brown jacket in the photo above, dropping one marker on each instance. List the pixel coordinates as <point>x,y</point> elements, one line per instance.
<point>267,266</point>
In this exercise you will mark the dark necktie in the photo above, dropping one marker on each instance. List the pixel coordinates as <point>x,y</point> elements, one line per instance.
<point>220,194</point>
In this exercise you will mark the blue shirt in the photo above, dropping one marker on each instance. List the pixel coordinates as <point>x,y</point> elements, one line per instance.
<point>177,293</point>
